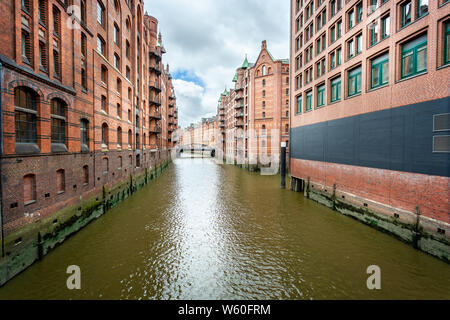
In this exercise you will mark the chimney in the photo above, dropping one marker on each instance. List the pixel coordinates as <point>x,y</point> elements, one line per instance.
<point>167,68</point>
<point>264,45</point>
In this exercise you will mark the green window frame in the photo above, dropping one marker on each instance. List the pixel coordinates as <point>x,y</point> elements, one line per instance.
<point>358,44</point>
<point>299,104</point>
<point>351,49</point>
<point>406,9</point>
<point>339,29</point>
<point>379,71</point>
<point>333,34</point>
<point>359,12</point>
<point>339,56</point>
<point>351,21</point>
<point>335,90</point>
<point>414,57</point>
<point>320,96</point>
<point>333,8</point>
<point>422,8</point>
<point>447,43</point>
<point>332,60</point>
<point>354,82</point>
<point>374,33</point>
<point>309,101</point>
<point>385,26</point>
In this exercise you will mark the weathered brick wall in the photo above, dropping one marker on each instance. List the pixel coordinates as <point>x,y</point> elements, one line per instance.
<point>400,190</point>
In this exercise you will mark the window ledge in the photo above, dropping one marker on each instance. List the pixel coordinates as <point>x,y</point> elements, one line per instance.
<point>29,202</point>
<point>443,66</point>
<point>378,87</point>
<point>411,77</point>
<point>60,192</point>
<point>353,95</point>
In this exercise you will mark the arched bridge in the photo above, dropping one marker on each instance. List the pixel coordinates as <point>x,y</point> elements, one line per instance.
<point>196,149</point>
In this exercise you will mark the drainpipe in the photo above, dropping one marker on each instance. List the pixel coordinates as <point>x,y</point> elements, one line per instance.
<point>1,157</point>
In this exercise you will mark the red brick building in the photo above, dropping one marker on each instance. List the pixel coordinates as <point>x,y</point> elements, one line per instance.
<point>85,102</point>
<point>256,110</point>
<point>370,112</point>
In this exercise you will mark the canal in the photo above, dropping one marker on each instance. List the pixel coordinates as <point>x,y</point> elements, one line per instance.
<point>208,231</point>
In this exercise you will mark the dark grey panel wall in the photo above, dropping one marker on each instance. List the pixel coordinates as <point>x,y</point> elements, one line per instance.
<point>398,139</point>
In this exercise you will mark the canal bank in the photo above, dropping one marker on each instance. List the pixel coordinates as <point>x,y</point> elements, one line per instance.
<point>34,241</point>
<point>219,232</point>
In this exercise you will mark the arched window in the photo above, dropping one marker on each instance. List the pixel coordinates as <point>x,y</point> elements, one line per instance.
<point>85,174</point>
<point>137,141</point>
<point>104,104</point>
<point>60,181</point>
<point>101,45</point>
<point>25,101</point>
<point>263,114</point>
<point>58,115</point>
<point>263,131</point>
<point>104,74</point>
<point>83,11</point>
<point>105,165</point>
<point>264,70</point>
<point>264,93</point>
<point>119,137</point>
<point>116,34</point>
<point>119,86</point>
<point>130,138</point>
<point>119,110</point>
<point>101,14</point>
<point>129,94</point>
<point>29,189</point>
<point>84,135</point>
<point>264,104</point>
<point>264,82</point>
<point>286,128</point>
<point>117,6</point>
<point>120,163</point>
<point>105,136</point>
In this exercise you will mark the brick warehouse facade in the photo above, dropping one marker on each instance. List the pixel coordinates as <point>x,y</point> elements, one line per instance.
<point>258,104</point>
<point>370,113</point>
<point>86,105</point>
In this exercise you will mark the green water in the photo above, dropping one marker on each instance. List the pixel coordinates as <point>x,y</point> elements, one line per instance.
<point>208,231</point>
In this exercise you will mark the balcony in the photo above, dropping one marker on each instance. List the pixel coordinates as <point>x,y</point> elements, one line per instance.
<point>154,101</point>
<point>155,53</point>
<point>155,68</point>
<point>155,86</point>
<point>155,115</point>
<point>155,129</point>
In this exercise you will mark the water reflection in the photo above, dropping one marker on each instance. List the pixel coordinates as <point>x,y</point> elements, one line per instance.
<point>207,231</point>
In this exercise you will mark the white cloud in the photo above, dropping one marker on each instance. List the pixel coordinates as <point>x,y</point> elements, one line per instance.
<point>210,39</point>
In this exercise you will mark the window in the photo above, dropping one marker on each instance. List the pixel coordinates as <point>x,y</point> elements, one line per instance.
<point>116,34</point>
<point>406,13</point>
<point>29,189</point>
<point>83,11</point>
<point>336,89</point>
<point>358,44</point>
<point>26,5</point>
<point>263,114</point>
<point>264,93</point>
<point>100,14</point>
<point>299,104</point>
<point>127,49</point>
<point>58,115</point>
<point>25,115</point>
<point>83,45</point>
<point>56,64</point>
<point>104,74</point>
<point>339,29</point>
<point>105,165</point>
<point>84,79</point>
<point>374,31</point>
<point>354,82</point>
<point>60,181</point>
<point>56,21</point>
<point>414,56</point>
<point>42,12</point>
<point>447,43</point>
<point>422,8</point>
<point>101,46</point>
<point>309,101</point>
<point>351,49</point>
<point>116,61</point>
<point>85,175</point>
<point>119,137</point>
<point>359,12</point>
<point>379,71</point>
<point>127,73</point>
<point>286,127</point>
<point>333,34</point>
<point>320,96</point>
<point>332,60</point>
<point>42,56</point>
<point>119,110</point>
<point>263,104</point>
<point>339,56</point>
<point>264,82</point>
<point>130,139</point>
<point>119,86</point>
<point>27,51</point>
<point>104,104</point>
<point>351,19</point>
<point>385,27</point>
<point>264,70</point>
<point>105,135</point>
<point>84,138</point>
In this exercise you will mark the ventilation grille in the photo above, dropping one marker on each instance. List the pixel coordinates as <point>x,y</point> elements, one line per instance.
<point>442,122</point>
<point>441,144</point>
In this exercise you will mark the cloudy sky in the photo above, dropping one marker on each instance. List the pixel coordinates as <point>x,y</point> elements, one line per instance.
<point>206,40</point>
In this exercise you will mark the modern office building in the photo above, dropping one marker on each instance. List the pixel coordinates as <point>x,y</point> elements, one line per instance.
<point>370,112</point>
